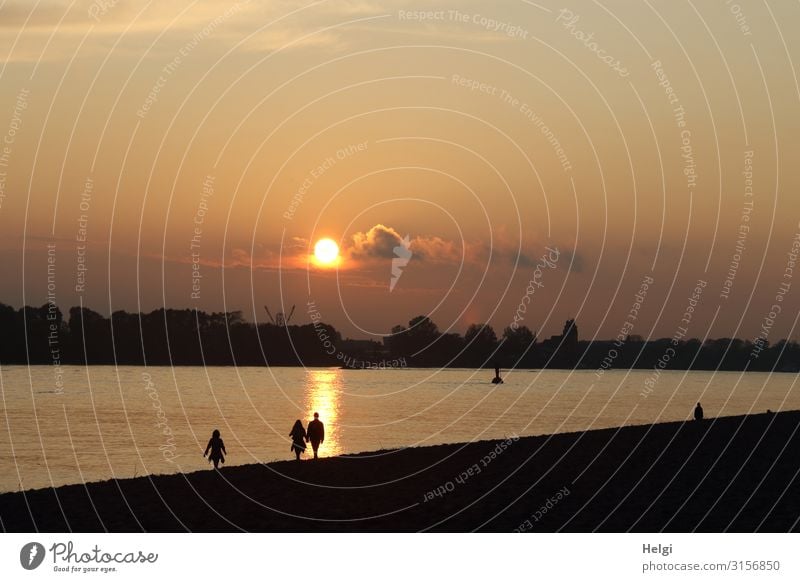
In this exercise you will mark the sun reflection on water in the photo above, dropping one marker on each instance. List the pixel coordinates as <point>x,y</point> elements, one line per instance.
<point>322,393</point>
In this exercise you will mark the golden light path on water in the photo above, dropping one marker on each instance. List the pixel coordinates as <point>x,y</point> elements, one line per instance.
<point>323,394</point>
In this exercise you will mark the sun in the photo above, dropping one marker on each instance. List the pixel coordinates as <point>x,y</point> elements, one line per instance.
<point>326,252</point>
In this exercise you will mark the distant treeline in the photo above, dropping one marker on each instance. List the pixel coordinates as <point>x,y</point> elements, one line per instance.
<point>32,335</point>
<point>162,337</point>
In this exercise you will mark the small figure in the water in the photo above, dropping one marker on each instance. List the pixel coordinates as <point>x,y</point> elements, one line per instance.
<point>698,412</point>
<point>316,433</point>
<point>217,448</point>
<point>298,435</point>
<point>497,379</point>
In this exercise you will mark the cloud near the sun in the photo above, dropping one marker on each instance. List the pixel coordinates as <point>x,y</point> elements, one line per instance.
<point>380,241</point>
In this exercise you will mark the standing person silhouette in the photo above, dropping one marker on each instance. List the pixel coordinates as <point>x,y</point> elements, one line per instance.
<point>316,433</point>
<point>217,448</point>
<point>298,435</point>
<point>497,379</point>
<point>698,412</point>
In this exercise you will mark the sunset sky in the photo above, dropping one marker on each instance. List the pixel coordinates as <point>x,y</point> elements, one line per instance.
<point>213,144</point>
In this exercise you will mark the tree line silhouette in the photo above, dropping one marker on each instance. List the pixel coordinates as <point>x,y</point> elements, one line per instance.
<point>32,335</point>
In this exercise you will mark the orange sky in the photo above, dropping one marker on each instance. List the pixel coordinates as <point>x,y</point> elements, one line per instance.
<point>195,138</point>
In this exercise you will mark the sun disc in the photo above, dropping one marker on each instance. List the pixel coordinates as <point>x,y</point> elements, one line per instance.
<point>326,251</point>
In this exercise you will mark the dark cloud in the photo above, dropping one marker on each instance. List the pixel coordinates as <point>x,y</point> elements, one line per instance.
<point>572,260</point>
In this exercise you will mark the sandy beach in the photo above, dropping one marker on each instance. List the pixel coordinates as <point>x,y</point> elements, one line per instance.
<point>726,474</point>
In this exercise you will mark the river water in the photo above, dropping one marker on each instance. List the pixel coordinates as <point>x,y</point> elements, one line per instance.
<point>119,422</point>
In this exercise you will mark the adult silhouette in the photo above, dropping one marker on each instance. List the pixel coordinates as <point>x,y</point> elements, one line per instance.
<point>298,435</point>
<point>698,412</point>
<point>497,379</point>
<point>315,433</point>
<point>217,448</point>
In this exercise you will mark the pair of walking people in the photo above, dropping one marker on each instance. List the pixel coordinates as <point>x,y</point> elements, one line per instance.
<point>314,434</point>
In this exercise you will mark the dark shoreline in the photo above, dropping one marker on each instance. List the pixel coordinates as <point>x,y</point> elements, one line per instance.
<point>489,370</point>
<point>737,473</point>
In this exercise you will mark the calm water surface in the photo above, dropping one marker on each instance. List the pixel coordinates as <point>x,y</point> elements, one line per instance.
<point>120,422</point>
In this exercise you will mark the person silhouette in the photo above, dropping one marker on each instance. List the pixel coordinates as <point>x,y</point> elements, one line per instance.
<point>217,448</point>
<point>315,433</point>
<point>698,412</point>
<point>497,379</point>
<point>298,435</point>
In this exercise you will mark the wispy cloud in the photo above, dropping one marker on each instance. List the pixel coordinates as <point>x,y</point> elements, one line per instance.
<point>267,25</point>
<point>60,26</point>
